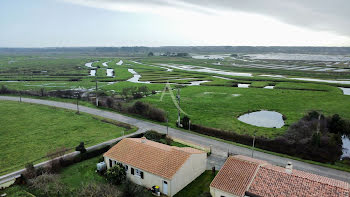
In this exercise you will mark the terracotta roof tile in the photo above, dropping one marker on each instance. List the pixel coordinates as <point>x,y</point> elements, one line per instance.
<point>242,174</point>
<point>153,157</point>
<point>235,176</point>
<point>274,181</point>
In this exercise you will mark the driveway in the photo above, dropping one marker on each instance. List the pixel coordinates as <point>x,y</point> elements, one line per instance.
<point>219,149</point>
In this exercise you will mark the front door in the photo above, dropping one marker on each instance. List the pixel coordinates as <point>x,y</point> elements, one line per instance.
<point>165,187</point>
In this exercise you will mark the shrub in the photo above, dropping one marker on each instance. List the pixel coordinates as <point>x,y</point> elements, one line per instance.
<point>29,172</point>
<point>168,140</point>
<point>153,135</point>
<point>99,190</point>
<point>116,175</point>
<point>48,185</point>
<point>81,148</point>
<point>131,189</point>
<point>4,90</point>
<point>185,122</point>
<point>148,111</point>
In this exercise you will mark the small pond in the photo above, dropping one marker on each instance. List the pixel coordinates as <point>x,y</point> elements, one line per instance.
<point>268,119</point>
<point>105,64</point>
<point>136,77</point>
<point>120,62</point>
<point>242,85</point>
<point>110,72</point>
<point>269,87</point>
<point>346,91</point>
<point>92,72</point>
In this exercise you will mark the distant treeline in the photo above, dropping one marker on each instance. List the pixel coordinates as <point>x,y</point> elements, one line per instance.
<point>180,49</point>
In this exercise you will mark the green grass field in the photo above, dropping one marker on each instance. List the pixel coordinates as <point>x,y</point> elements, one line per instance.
<point>219,107</point>
<point>28,132</point>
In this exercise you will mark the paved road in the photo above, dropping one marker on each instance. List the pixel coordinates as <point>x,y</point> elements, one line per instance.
<point>219,149</point>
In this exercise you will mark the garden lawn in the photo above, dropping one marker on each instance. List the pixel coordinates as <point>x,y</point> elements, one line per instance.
<point>29,131</point>
<point>198,187</point>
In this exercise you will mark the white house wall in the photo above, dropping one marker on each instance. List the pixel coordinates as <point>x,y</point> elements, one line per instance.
<point>219,193</point>
<point>148,180</point>
<point>189,171</point>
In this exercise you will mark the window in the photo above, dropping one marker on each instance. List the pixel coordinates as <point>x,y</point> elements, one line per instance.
<point>138,172</point>
<point>126,168</point>
<point>110,163</point>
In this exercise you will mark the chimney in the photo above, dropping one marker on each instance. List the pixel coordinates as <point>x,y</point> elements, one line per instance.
<point>289,167</point>
<point>143,140</point>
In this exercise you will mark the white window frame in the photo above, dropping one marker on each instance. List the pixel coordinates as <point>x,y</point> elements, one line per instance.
<point>137,172</point>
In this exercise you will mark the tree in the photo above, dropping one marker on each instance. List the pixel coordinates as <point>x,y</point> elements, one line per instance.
<point>150,54</point>
<point>186,122</point>
<point>117,174</point>
<point>337,124</point>
<point>143,90</point>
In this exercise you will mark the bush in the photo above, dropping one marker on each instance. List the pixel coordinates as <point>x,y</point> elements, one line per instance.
<point>99,190</point>
<point>131,189</point>
<point>81,148</point>
<point>168,140</point>
<point>29,172</point>
<point>328,151</point>
<point>153,135</point>
<point>48,185</point>
<point>4,90</point>
<point>116,175</point>
<point>148,111</point>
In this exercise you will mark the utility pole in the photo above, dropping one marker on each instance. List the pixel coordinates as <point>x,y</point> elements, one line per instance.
<point>253,144</point>
<point>78,104</point>
<point>318,124</point>
<point>96,87</point>
<point>167,123</point>
<point>178,110</point>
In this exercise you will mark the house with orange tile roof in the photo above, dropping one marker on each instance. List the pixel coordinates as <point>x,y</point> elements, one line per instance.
<point>245,176</point>
<point>150,163</point>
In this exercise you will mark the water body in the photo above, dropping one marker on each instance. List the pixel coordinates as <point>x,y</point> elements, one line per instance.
<point>110,72</point>
<point>269,87</point>
<point>206,70</point>
<point>346,147</point>
<point>210,57</point>
<point>105,64</point>
<point>92,72</point>
<point>120,63</point>
<point>242,85</point>
<point>321,80</point>
<point>219,77</point>
<point>136,77</point>
<point>89,64</point>
<point>346,91</point>
<point>305,57</point>
<point>196,83</point>
<point>268,119</point>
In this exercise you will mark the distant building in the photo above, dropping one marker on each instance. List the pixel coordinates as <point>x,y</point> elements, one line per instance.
<point>245,176</point>
<point>149,163</point>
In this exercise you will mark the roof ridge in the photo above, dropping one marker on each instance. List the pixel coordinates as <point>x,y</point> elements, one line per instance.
<point>251,181</point>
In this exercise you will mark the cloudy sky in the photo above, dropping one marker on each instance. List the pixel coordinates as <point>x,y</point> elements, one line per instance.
<point>57,23</point>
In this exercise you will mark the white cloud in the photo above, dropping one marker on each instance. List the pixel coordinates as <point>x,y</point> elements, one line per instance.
<point>254,22</point>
